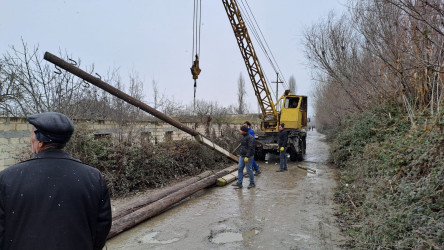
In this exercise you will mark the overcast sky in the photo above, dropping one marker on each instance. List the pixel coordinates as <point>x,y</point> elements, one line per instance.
<point>154,39</point>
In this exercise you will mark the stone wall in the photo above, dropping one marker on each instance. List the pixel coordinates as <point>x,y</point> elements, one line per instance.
<point>15,136</point>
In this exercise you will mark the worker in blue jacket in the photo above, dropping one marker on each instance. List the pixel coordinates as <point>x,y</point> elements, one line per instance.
<point>251,132</point>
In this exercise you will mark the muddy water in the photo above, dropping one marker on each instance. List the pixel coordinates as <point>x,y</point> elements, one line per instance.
<point>286,210</point>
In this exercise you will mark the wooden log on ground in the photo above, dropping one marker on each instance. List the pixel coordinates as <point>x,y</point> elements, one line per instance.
<point>134,218</point>
<point>157,195</point>
<point>313,171</point>
<point>224,180</point>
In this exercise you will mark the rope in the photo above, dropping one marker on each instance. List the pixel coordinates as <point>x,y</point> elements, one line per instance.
<point>197,23</point>
<point>200,24</point>
<point>194,22</point>
<point>195,54</point>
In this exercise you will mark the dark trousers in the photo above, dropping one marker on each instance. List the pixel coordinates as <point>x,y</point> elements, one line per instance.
<point>283,159</point>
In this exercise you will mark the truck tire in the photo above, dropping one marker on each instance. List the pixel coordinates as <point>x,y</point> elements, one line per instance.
<point>302,145</point>
<point>297,153</point>
<point>259,155</point>
<point>293,154</point>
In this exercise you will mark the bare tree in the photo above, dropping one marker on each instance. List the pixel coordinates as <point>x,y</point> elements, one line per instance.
<point>427,41</point>
<point>384,50</point>
<point>8,91</point>
<point>165,104</point>
<point>203,109</point>
<point>30,86</point>
<point>332,49</point>
<point>156,96</point>
<point>292,83</point>
<point>241,93</point>
<point>172,107</point>
<point>404,38</point>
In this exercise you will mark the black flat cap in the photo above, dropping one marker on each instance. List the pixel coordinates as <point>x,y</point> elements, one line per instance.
<point>52,127</point>
<point>244,128</point>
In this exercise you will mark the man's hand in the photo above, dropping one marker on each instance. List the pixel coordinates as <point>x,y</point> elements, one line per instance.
<point>246,159</point>
<point>282,148</point>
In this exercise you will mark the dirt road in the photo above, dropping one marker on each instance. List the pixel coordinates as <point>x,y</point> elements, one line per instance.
<point>286,210</point>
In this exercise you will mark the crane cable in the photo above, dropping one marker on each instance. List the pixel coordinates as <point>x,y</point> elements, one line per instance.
<point>262,44</point>
<point>195,54</point>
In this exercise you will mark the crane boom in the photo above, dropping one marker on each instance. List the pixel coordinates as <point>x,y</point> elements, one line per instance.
<point>269,112</point>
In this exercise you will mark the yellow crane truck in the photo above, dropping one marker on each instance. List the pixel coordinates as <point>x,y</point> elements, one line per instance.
<point>293,108</point>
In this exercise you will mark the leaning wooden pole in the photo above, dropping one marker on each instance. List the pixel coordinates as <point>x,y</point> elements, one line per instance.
<point>133,101</point>
<point>134,218</point>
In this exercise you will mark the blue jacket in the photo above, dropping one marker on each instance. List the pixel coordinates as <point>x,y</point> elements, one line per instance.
<point>251,132</point>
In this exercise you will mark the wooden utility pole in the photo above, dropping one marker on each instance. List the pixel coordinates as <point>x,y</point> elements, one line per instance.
<point>137,103</point>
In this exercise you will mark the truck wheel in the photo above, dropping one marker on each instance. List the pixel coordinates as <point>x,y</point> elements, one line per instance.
<point>259,155</point>
<point>293,154</point>
<point>301,153</point>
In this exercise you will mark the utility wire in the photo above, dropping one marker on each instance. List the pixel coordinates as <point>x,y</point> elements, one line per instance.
<point>254,32</point>
<point>277,65</point>
<point>246,10</point>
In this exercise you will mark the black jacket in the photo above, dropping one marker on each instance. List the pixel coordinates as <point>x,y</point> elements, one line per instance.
<point>247,145</point>
<point>283,138</point>
<point>53,201</point>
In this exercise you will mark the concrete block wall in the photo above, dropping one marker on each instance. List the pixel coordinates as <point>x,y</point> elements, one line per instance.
<point>14,140</point>
<point>15,136</point>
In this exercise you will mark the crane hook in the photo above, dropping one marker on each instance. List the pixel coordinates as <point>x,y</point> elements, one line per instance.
<point>195,70</point>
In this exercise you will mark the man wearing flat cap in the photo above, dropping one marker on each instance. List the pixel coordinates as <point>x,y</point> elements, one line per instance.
<point>246,158</point>
<point>53,201</point>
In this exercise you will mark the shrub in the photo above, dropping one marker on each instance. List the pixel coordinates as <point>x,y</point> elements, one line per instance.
<point>130,167</point>
<point>395,175</point>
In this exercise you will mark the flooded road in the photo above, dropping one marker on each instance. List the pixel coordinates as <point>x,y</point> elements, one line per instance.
<point>286,210</point>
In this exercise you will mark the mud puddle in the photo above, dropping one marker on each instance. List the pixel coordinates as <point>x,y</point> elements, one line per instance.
<point>286,210</point>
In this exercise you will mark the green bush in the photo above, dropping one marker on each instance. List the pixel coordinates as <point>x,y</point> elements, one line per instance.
<point>362,129</point>
<point>130,167</point>
<point>395,175</point>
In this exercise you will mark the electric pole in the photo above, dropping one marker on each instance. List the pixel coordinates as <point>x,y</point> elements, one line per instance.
<point>277,85</point>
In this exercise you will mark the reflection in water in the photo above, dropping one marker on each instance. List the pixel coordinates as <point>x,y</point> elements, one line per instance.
<point>149,238</point>
<point>227,237</point>
<point>249,234</point>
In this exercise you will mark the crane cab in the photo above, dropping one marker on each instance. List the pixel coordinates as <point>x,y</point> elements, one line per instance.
<point>294,112</point>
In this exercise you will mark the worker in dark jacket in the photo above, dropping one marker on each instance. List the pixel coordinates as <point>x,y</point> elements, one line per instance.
<point>254,165</point>
<point>283,138</point>
<point>53,201</point>
<point>246,158</point>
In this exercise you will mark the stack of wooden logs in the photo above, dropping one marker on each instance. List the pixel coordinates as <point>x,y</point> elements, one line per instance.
<point>132,214</point>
